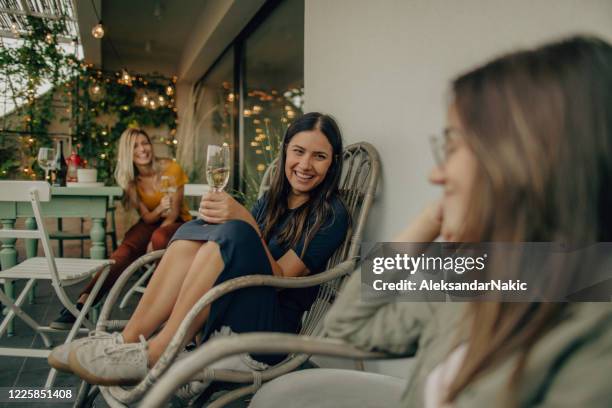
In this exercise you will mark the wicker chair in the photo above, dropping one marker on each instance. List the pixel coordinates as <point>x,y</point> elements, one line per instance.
<point>357,186</point>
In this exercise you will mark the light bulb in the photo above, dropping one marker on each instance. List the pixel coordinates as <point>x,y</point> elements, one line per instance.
<point>98,30</point>
<point>125,78</point>
<point>96,92</point>
<point>169,90</point>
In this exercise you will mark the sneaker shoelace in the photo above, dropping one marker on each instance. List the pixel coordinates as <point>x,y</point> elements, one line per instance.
<point>100,334</point>
<point>131,352</point>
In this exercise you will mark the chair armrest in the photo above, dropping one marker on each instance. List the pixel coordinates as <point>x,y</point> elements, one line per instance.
<point>115,291</point>
<point>262,343</point>
<point>231,285</point>
<point>173,348</point>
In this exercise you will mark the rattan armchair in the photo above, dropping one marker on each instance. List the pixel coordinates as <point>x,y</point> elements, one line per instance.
<point>357,186</point>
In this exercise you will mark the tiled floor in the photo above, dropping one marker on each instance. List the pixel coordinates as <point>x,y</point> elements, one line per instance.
<point>18,372</point>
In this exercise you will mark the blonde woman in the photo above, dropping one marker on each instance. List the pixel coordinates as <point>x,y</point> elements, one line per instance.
<point>139,174</point>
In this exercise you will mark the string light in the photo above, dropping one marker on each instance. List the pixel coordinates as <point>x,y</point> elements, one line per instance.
<point>98,31</point>
<point>125,78</point>
<point>96,91</point>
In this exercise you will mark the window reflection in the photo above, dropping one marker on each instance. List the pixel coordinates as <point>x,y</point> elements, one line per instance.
<point>213,115</point>
<point>274,79</point>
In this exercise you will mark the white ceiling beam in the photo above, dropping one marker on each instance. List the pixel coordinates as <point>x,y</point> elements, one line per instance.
<point>10,34</point>
<point>30,13</point>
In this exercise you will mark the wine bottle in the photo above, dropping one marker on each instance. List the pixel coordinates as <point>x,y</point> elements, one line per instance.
<point>61,167</point>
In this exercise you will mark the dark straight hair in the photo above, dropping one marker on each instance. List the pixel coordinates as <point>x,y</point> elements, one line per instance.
<point>319,202</point>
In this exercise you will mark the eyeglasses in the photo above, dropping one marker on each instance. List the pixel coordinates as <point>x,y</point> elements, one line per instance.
<point>442,145</point>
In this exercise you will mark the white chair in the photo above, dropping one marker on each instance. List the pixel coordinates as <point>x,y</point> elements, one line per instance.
<point>195,190</point>
<point>190,190</point>
<point>62,272</point>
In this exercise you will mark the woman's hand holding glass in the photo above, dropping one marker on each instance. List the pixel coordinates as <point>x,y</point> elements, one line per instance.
<point>167,186</point>
<point>219,207</point>
<point>163,209</point>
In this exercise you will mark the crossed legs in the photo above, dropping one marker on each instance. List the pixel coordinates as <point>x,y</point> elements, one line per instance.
<point>185,273</point>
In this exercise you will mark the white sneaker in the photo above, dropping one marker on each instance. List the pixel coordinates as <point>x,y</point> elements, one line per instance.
<point>115,364</point>
<point>58,358</point>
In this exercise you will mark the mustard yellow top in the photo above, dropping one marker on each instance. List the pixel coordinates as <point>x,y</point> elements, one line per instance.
<point>152,200</point>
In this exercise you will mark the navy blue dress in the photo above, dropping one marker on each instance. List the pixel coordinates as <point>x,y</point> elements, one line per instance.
<point>264,308</point>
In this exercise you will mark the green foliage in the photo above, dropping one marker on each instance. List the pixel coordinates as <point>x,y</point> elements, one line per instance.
<point>95,120</point>
<point>97,142</point>
<point>37,61</point>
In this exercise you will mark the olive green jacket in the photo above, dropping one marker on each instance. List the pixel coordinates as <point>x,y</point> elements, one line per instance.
<point>570,366</point>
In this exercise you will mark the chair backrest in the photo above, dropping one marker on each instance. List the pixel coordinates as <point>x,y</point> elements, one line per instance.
<point>195,190</point>
<point>20,190</point>
<point>360,174</point>
<point>192,193</point>
<point>34,192</point>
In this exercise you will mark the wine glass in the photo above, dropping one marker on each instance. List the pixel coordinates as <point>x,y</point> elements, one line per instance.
<point>46,159</point>
<point>167,186</point>
<point>218,166</point>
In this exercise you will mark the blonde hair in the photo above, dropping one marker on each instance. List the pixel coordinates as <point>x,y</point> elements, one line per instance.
<point>126,171</point>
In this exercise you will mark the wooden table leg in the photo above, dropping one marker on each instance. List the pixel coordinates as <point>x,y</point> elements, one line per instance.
<point>31,246</point>
<point>97,235</point>
<point>8,259</point>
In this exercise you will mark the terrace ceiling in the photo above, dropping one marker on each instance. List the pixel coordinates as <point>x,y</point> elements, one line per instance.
<point>141,35</point>
<point>13,14</point>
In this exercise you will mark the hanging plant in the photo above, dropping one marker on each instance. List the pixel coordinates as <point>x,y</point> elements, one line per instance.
<point>86,95</point>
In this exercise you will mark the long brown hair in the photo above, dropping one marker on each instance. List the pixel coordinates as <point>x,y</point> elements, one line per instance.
<point>540,124</point>
<point>319,202</point>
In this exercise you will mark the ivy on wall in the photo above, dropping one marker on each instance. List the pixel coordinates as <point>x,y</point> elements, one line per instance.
<point>36,61</point>
<point>95,106</point>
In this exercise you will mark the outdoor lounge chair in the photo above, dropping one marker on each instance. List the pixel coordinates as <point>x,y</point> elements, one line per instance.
<point>62,272</point>
<point>357,186</point>
<point>219,348</point>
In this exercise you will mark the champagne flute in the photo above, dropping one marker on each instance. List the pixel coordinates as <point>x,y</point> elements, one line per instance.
<point>46,160</point>
<point>218,166</point>
<point>167,185</point>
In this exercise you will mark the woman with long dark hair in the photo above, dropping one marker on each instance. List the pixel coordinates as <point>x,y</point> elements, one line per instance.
<point>291,231</point>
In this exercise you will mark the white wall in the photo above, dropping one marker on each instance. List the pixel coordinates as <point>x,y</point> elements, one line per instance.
<point>382,68</point>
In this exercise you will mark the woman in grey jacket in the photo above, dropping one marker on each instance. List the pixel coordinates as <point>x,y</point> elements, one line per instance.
<point>526,156</point>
